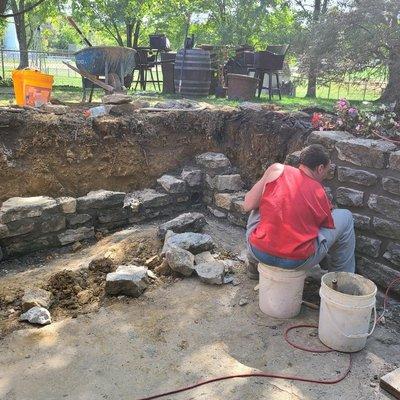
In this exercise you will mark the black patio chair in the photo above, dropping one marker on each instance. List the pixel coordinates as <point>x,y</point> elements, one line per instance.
<point>270,62</point>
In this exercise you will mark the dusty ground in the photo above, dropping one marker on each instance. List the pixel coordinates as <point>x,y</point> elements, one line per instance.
<point>177,333</point>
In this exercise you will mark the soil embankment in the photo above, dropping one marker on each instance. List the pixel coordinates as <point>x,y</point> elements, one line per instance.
<point>57,155</point>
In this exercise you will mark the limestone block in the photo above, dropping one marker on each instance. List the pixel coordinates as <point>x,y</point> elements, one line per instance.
<point>228,183</point>
<point>74,235</point>
<point>35,297</point>
<point>328,139</point>
<point>385,228</point>
<point>193,222</point>
<point>392,253</point>
<point>36,315</point>
<point>364,152</point>
<point>20,227</point>
<point>100,199</point>
<point>147,198</point>
<point>217,213</point>
<point>192,177</point>
<point>67,204</point>
<point>394,160</point>
<point>349,197</point>
<point>30,244</point>
<point>379,273</point>
<point>362,222</point>
<point>214,162</point>
<point>368,246</point>
<point>128,280</point>
<point>18,208</point>
<point>52,223</point>
<point>180,260</point>
<point>171,184</point>
<point>191,241</point>
<point>391,185</point>
<point>78,219</point>
<point>386,206</point>
<point>211,272</point>
<point>358,176</point>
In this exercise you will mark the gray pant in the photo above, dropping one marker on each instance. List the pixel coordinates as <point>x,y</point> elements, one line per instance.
<point>339,243</point>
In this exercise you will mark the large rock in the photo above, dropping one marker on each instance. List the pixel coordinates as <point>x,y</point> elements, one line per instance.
<point>147,198</point>
<point>4,232</point>
<point>52,223</point>
<point>35,298</point>
<point>392,253</point>
<point>391,185</point>
<point>20,227</point>
<point>368,246</point>
<point>203,257</point>
<point>193,222</point>
<point>116,98</point>
<point>193,242</point>
<point>18,208</point>
<point>74,235</point>
<point>225,183</point>
<point>349,197</point>
<point>362,222</point>
<point>386,206</point>
<point>36,315</point>
<point>78,219</point>
<point>211,272</point>
<point>328,139</point>
<point>100,199</point>
<point>365,152</point>
<point>385,228</point>
<point>171,184</point>
<point>193,177</point>
<point>128,280</point>
<point>180,260</point>
<point>214,163</point>
<point>352,175</point>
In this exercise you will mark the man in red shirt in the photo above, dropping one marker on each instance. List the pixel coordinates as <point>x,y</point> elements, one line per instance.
<point>292,224</point>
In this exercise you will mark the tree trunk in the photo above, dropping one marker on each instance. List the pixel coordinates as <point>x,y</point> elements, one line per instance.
<point>136,34</point>
<point>21,34</point>
<point>313,65</point>
<point>391,94</point>
<point>129,32</point>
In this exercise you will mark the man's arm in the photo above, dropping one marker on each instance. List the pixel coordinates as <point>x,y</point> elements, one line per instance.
<point>253,197</point>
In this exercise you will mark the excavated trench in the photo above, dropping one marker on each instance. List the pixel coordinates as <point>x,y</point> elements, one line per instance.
<point>70,155</point>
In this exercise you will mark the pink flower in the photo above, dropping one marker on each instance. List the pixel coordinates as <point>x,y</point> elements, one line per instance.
<point>342,104</point>
<point>352,111</point>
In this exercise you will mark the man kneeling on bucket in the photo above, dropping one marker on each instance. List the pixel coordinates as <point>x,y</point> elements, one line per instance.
<point>292,224</point>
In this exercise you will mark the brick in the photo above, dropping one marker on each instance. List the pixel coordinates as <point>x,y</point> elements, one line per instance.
<point>349,197</point>
<point>171,184</point>
<point>391,185</point>
<point>386,206</point>
<point>385,228</point>
<point>394,160</point>
<point>392,253</point>
<point>368,246</point>
<point>328,139</point>
<point>364,152</point>
<point>379,273</point>
<point>362,222</point>
<point>350,175</point>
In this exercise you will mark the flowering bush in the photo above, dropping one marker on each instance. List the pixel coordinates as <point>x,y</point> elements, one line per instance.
<point>382,122</point>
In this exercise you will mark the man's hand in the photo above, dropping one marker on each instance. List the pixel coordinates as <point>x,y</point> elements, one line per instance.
<point>253,197</point>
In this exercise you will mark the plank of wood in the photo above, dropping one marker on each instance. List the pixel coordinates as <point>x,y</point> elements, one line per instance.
<point>391,383</point>
<point>92,78</point>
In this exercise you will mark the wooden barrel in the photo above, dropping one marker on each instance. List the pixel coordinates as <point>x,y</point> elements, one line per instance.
<point>192,73</point>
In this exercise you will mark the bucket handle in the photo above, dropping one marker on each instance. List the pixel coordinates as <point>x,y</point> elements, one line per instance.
<point>357,335</point>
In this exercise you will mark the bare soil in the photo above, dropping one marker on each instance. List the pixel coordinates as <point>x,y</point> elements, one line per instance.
<point>57,155</point>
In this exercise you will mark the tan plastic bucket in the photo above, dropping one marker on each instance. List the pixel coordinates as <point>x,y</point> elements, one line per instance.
<point>280,291</point>
<point>345,314</point>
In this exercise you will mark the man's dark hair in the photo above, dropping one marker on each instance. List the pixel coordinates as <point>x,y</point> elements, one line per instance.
<point>314,155</point>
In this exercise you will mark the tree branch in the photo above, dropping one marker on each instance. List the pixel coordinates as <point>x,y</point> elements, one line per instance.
<point>28,8</point>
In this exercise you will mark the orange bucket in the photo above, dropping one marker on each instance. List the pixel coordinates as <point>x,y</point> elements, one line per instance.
<point>32,88</point>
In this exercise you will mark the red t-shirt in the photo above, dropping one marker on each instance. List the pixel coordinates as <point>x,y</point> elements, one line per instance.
<point>292,210</point>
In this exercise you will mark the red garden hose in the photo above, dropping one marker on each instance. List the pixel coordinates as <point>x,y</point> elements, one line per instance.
<point>279,376</point>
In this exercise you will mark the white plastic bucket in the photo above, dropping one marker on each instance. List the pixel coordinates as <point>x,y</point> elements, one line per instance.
<point>345,313</point>
<point>280,291</point>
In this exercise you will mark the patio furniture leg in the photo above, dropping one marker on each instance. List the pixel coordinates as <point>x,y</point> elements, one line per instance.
<point>91,93</point>
<point>260,76</point>
<point>152,79</point>
<point>270,85</point>
<point>278,85</point>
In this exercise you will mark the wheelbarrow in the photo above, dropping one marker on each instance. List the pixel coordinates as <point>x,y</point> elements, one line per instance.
<point>113,63</point>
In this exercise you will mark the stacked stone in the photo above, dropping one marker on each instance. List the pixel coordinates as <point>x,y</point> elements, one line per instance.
<point>366,180</point>
<point>223,189</point>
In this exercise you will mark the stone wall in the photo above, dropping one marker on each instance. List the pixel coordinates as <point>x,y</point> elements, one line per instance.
<point>365,178</point>
<point>30,224</point>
